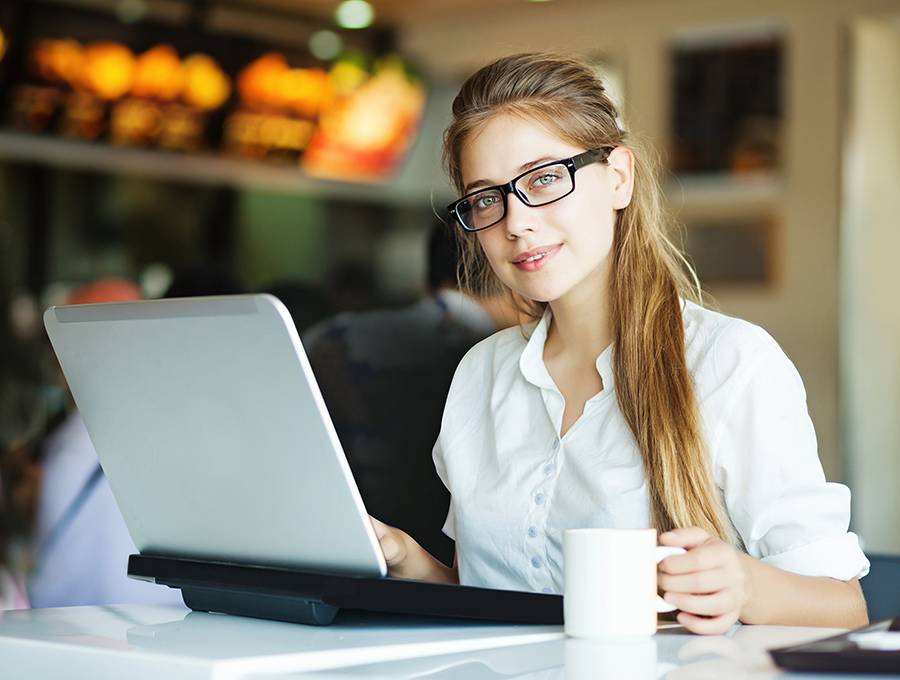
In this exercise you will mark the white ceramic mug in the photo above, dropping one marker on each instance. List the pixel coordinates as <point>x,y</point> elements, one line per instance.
<point>610,582</point>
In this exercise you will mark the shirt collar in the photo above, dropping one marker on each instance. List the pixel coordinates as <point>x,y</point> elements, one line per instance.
<point>533,368</point>
<point>531,363</point>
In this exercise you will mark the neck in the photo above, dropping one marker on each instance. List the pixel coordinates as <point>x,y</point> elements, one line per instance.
<point>581,326</point>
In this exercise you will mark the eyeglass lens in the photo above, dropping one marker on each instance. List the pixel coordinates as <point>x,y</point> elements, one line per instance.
<point>544,185</point>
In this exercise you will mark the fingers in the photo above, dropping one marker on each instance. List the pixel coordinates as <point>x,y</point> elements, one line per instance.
<point>701,582</point>
<point>707,583</point>
<point>702,625</point>
<point>715,604</point>
<point>686,537</point>
<point>708,556</point>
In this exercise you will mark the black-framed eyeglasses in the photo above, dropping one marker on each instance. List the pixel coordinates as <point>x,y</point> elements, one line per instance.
<point>538,186</point>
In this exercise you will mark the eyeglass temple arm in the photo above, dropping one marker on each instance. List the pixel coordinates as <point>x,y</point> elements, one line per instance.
<point>591,156</point>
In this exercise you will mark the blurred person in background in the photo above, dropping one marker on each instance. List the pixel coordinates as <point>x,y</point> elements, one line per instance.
<point>308,303</point>
<point>27,411</point>
<point>351,286</point>
<point>80,544</point>
<point>384,375</point>
<point>202,281</point>
<point>23,419</point>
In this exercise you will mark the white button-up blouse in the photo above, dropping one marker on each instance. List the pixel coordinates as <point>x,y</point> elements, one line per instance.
<point>515,485</point>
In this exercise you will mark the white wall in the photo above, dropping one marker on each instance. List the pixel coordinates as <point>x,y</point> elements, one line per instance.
<point>870,290</point>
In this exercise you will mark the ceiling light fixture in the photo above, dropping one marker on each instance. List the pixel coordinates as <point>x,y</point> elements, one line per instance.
<point>354,14</point>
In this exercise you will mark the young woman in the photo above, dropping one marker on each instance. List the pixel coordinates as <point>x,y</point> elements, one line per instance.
<point>626,404</point>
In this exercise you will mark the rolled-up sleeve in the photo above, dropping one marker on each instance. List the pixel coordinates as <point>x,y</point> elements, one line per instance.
<point>766,463</point>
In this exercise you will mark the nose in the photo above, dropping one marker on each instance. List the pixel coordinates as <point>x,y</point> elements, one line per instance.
<point>519,217</point>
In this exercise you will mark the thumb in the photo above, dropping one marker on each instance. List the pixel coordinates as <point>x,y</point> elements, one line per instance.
<point>391,541</point>
<point>380,527</point>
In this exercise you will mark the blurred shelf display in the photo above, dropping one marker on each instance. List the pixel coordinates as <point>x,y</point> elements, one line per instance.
<point>217,114</point>
<point>203,169</point>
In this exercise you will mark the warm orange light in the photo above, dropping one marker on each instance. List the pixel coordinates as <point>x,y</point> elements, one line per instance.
<point>366,133</point>
<point>158,74</point>
<point>379,114</point>
<point>206,86</point>
<point>268,82</point>
<point>59,61</point>
<point>109,69</point>
<point>2,45</point>
<point>259,82</point>
<point>304,90</point>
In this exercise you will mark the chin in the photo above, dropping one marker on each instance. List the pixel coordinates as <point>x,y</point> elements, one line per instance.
<point>545,286</point>
<point>547,293</point>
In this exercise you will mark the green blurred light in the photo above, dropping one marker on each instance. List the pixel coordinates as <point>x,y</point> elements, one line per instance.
<point>354,14</point>
<point>325,45</point>
<point>131,11</point>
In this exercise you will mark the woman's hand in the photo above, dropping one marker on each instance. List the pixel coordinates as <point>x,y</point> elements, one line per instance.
<point>709,583</point>
<point>407,559</point>
<point>393,543</point>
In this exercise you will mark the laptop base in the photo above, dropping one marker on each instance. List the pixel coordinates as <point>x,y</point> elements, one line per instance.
<point>284,594</point>
<point>259,605</point>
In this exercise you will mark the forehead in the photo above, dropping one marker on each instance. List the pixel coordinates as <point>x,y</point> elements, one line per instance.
<point>497,149</point>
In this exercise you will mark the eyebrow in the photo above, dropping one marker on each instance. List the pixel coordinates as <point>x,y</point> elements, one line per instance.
<point>522,168</point>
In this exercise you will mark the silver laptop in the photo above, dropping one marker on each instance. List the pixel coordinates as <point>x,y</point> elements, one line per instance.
<point>218,447</point>
<point>210,427</point>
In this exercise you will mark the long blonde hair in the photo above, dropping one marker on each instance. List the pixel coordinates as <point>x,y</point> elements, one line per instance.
<point>647,280</point>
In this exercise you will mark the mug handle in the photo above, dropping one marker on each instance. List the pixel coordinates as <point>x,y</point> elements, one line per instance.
<point>662,552</point>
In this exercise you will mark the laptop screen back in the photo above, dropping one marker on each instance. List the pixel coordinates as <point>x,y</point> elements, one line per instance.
<point>210,427</point>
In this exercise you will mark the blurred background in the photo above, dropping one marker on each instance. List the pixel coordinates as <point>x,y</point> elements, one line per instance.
<point>223,146</point>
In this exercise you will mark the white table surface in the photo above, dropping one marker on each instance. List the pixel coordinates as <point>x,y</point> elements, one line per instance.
<point>140,641</point>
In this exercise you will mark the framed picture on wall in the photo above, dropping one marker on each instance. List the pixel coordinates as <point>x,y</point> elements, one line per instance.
<point>727,100</point>
<point>736,251</point>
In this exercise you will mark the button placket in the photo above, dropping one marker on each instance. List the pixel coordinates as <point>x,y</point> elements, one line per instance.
<point>535,544</point>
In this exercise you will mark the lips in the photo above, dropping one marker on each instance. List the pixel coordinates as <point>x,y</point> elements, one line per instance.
<point>534,254</point>
<point>532,260</point>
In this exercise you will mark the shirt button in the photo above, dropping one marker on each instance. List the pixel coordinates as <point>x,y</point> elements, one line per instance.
<point>532,532</point>
<point>539,498</point>
<point>555,444</point>
<point>547,590</point>
<point>549,469</point>
<point>535,562</point>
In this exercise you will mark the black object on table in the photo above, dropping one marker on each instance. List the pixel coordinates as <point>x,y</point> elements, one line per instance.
<point>315,598</point>
<point>842,654</point>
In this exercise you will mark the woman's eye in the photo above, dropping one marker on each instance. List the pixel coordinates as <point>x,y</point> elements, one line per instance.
<point>485,202</point>
<point>545,180</point>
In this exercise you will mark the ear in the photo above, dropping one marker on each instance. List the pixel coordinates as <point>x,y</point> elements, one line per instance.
<point>621,164</point>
